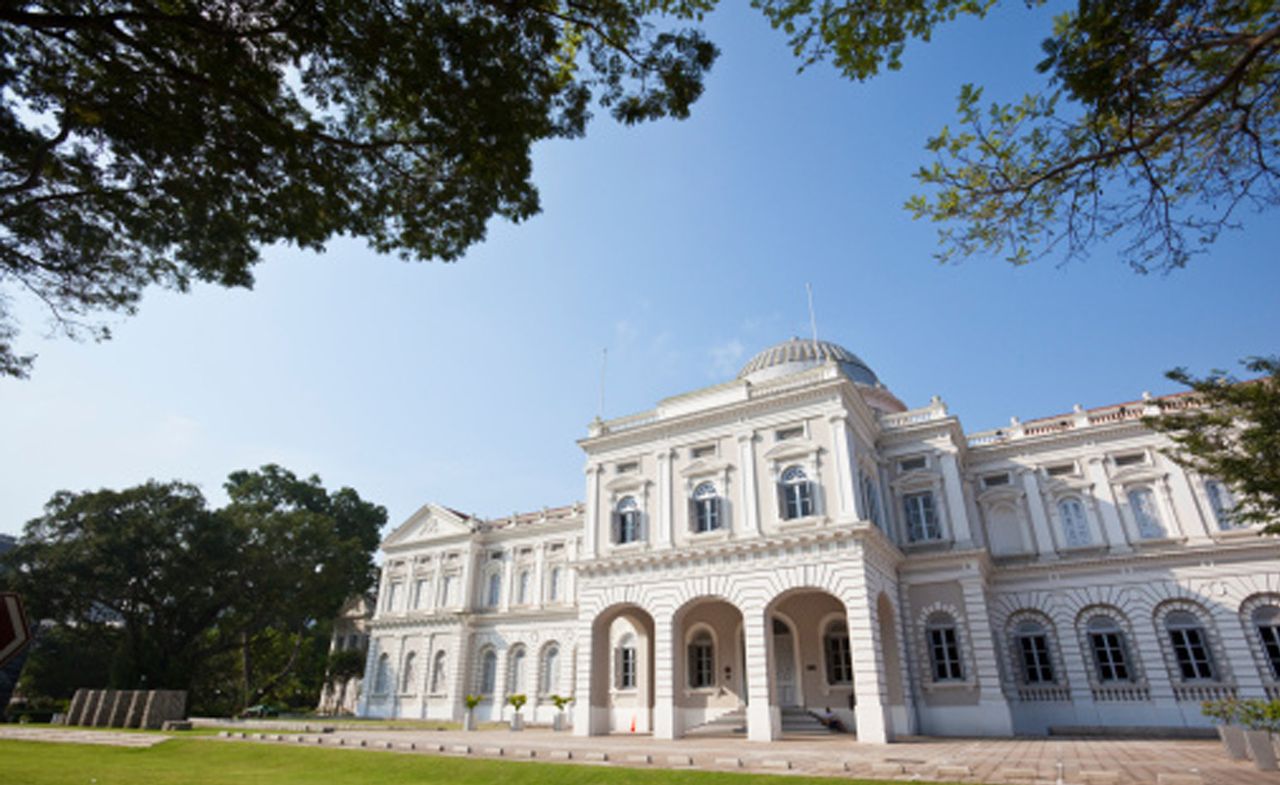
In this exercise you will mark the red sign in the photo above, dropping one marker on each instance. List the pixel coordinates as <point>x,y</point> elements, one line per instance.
<point>14,632</point>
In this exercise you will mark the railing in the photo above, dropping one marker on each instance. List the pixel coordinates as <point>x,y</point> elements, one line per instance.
<point>1129,693</point>
<point>1028,694</point>
<point>899,419</point>
<point>1273,692</point>
<point>629,422</point>
<point>1198,693</point>
<point>1080,418</point>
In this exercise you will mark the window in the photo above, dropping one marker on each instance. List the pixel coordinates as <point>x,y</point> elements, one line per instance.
<point>515,672</point>
<point>446,591</point>
<point>704,451</point>
<point>393,591</point>
<point>627,468</point>
<point>488,672</point>
<point>553,586</point>
<point>422,593</point>
<point>706,508</point>
<point>1143,504</point>
<point>493,595</point>
<point>522,588</point>
<point>871,499</point>
<point>797,494</point>
<point>1110,657</point>
<point>407,678</point>
<point>438,675</point>
<point>1190,646</point>
<point>995,480</point>
<point>944,648</point>
<point>784,434</point>
<point>1266,620</point>
<point>627,663</point>
<point>702,659</point>
<point>1032,643</point>
<point>382,675</point>
<point>1220,503</point>
<point>551,670</point>
<point>1132,459</point>
<point>1075,527</point>
<point>1061,470</point>
<point>922,522</point>
<point>627,521</point>
<point>835,645</point>
<point>912,464</point>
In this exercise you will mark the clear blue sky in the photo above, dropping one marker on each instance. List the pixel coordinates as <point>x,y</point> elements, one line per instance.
<point>684,248</point>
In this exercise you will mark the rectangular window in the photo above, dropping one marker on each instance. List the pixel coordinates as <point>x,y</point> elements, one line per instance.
<point>393,591</point>
<point>703,451</point>
<point>1061,470</point>
<point>422,593</point>
<point>1037,668</point>
<point>446,591</point>
<point>1192,654</point>
<point>627,468</point>
<point>701,666</point>
<point>1270,636</point>
<point>912,464</point>
<point>922,522</point>
<point>627,668</point>
<point>839,659</point>
<point>944,651</point>
<point>995,480</point>
<point>1143,505</point>
<point>1109,656</point>
<point>1132,459</point>
<point>783,434</point>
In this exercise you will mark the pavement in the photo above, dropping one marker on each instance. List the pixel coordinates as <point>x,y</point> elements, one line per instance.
<point>73,736</point>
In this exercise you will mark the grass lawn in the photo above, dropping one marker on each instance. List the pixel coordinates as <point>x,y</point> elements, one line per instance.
<point>201,762</point>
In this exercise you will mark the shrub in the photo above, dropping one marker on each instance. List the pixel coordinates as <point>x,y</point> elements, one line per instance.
<point>561,701</point>
<point>517,701</point>
<point>1225,712</point>
<point>473,701</point>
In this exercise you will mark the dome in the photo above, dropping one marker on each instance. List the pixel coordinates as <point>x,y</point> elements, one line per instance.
<point>800,354</point>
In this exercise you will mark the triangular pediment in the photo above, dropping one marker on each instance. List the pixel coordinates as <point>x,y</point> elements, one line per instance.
<point>430,522</point>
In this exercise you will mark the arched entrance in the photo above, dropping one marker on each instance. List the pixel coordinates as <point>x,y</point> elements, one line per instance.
<point>622,672</point>
<point>810,660</point>
<point>708,668</point>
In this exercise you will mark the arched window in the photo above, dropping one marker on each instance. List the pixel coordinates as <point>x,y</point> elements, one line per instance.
<point>493,596</point>
<point>1266,620</point>
<point>922,520</point>
<point>553,586</point>
<point>488,672</point>
<point>1075,527</point>
<point>1221,504</point>
<point>706,508</point>
<point>797,494</point>
<point>1190,646</point>
<point>407,678</point>
<point>446,591</point>
<point>871,499</point>
<point>702,660</point>
<point>1032,643</point>
<point>551,670</point>
<point>1143,504</point>
<point>835,645</point>
<point>1110,653</point>
<point>382,675</point>
<point>627,517</point>
<point>626,667</point>
<point>522,588</point>
<point>515,672</point>
<point>944,648</point>
<point>438,675</point>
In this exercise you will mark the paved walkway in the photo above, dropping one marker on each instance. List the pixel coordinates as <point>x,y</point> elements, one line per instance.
<point>1034,761</point>
<point>108,738</point>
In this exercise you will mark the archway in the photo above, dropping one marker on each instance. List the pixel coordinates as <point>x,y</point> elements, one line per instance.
<point>810,659</point>
<point>622,672</point>
<point>708,668</point>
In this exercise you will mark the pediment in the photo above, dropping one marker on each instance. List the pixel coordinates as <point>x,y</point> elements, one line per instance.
<point>791,449</point>
<point>430,522</point>
<point>626,482</point>
<point>702,468</point>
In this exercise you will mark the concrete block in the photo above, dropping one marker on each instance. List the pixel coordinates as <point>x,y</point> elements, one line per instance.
<point>598,757</point>
<point>407,745</point>
<point>776,763</point>
<point>639,759</point>
<point>300,739</point>
<point>226,734</point>
<point>1180,778</point>
<point>76,708</point>
<point>521,753</point>
<point>887,769</point>
<point>732,763</point>
<point>954,772</point>
<point>1099,777</point>
<point>386,745</point>
<point>364,743</point>
<point>1017,774</point>
<point>832,765</point>
<point>137,707</point>
<point>119,708</point>
<point>102,712</point>
<point>560,755</point>
<point>679,760</point>
<point>497,751</point>
<point>461,749</point>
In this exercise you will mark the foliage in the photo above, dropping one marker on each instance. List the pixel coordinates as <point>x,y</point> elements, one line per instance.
<point>231,603</point>
<point>1233,434</point>
<point>517,701</point>
<point>1260,714</point>
<point>1224,712</point>
<point>561,701</point>
<point>346,664</point>
<point>63,659</point>
<point>472,701</point>
<point>145,143</point>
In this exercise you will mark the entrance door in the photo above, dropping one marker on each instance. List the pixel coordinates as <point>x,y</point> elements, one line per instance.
<point>784,655</point>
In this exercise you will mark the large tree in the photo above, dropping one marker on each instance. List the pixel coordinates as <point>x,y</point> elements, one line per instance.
<point>233,597</point>
<point>1232,432</point>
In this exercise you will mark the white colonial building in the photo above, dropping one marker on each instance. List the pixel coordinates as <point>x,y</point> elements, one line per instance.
<point>798,539</point>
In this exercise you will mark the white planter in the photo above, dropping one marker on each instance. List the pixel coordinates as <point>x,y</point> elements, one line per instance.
<point>517,721</point>
<point>1260,749</point>
<point>1233,739</point>
<point>557,722</point>
<point>469,720</point>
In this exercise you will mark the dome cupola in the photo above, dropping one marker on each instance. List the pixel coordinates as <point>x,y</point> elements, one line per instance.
<point>799,354</point>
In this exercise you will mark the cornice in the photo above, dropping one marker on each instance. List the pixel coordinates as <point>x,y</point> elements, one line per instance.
<point>1027,445</point>
<point>1184,555</point>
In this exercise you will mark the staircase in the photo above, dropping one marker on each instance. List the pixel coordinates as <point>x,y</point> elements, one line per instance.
<point>800,722</point>
<point>733,723</point>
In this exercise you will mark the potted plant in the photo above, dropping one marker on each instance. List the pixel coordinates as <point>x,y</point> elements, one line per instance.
<point>1226,714</point>
<point>1262,719</point>
<point>517,702</point>
<point>469,719</point>
<point>561,701</point>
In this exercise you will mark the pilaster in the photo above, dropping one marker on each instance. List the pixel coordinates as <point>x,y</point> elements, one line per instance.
<point>961,534</point>
<point>997,718</point>
<point>664,513</point>
<point>1039,521</point>
<point>764,720</point>
<point>750,496</point>
<point>666,723</point>
<point>1107,507</point>
<point>590,542</point>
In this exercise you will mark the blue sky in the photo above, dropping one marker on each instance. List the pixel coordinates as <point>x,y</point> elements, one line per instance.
<point>683,247</point>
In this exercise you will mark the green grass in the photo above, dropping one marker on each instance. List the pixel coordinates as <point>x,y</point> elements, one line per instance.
<point>204,762</point>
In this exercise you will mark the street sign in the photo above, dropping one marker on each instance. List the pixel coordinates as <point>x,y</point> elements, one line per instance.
<point>15,634</point>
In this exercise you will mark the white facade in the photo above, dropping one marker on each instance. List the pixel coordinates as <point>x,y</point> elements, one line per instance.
<point>798,539</point>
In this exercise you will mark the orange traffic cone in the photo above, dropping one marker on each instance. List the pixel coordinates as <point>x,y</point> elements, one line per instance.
<point>633,724</point>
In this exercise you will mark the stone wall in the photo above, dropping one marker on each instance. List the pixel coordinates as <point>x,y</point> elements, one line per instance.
<point>126,708</point>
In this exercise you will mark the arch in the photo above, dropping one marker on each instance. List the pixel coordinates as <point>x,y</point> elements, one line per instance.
<point>549,669</point>
<point>1260,616</point>
<point>1189,641</point>
<point>487,683</point>
<point>523,582</point>
<point>516,670</point>
<point>1106,638</point>
<point>708,671</point>
<point>608,706</point>
<point>439,676</point>
<point>382,674</point>
<point>407,675</point>
<point>493,588</point>
<point>799,619</point>
<point>1035,654</point>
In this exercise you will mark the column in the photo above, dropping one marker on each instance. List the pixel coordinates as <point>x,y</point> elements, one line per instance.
<point>508,579</point>
<point>1108,511</point>
<point>500,681</point>
<point>996,717</point>
<point>666,724</point>
<point>846,463</point>
<point>1039,522</point>
<point>459,682</point>
<point>583,712</point>
<point>960,532</point>
<point>539,587</point>
<point>750,496</point>
<point>468,577</point>
<point>764,721</point>
<point>663,518</point>
<point>1197,528</point>
<point>870,684</point>
<point>592,529</point>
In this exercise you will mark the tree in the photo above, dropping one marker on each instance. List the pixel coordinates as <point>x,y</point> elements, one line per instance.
<point>1232,433</point>
<point>231,600</point>
<point>163,144</point>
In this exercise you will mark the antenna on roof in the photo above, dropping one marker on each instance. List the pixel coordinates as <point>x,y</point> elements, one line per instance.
<point>604,360</point>
<point>813,320</point>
